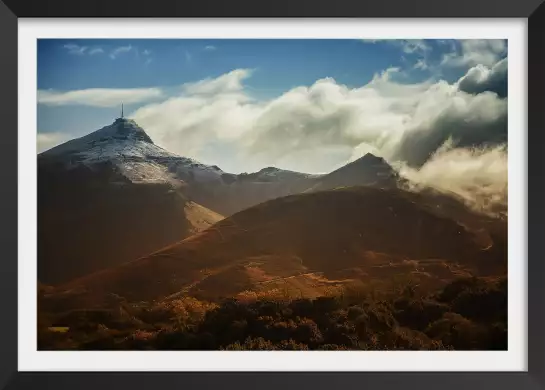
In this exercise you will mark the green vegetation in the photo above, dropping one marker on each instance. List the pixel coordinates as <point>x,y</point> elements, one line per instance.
<point>467,314</point>
<point>58,329</point>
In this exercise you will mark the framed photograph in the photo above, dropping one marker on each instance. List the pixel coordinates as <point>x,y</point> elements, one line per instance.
<point>328,196</point>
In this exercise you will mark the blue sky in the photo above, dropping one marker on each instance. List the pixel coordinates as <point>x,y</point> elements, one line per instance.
<point>282,64</point>
<point>153,72</point>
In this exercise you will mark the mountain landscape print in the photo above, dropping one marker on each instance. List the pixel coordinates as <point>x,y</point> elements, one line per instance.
<point>262,194</point>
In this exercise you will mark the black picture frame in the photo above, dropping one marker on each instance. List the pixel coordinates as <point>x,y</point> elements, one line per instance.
<point>532,10</point>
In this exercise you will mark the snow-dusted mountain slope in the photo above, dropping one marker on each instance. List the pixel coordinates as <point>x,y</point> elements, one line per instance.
<point>134,158</point>
<point>272,174</point>
<point>133,153</point>
<point>123,137</point>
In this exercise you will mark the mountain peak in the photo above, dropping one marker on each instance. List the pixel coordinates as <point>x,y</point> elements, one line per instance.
<point>269,169</point>
<point>123,138</point>
<point>130,151</point>
<point>124,128</point>
<point>370,158</point>
<point>369,163</point>
<point>367,170</point>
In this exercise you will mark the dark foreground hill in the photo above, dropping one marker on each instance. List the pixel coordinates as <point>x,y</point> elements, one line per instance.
<point>90,218</point>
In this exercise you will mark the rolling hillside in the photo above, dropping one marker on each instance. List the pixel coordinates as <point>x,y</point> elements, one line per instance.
<point>307,244</point>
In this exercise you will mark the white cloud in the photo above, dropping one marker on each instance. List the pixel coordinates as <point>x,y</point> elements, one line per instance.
<point>421,64</point>
<point>75,49</point>
<point>409,46</point>
<point>146,52</point>
<point>209,48</point>
<point>464,53</point>
<point>45,141</point>
<point>96,50</point>
<point>482,78</point>
<point>120,50</point>
<point>474,52</point>
<point>477,175</point>
<point>418,48</point>
<point>414,46</point>
<point>362,149</point>
<point>386,75</point>
<point>227,83</point>
<point>98,97</point>
<point>399,121</point>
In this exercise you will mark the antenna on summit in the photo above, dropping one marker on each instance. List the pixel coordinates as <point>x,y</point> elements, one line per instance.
<point>121,110</point>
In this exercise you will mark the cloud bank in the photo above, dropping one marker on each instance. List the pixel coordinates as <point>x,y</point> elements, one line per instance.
<point>477,175</point>
<point>407,124</point>
<point>474,52</point>
<point>98,97</point>
<point>401,122</point>
<point>482,78</point>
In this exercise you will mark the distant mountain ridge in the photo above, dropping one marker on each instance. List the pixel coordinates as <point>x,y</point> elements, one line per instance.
<point>137,159</point>
<point>113,195</point>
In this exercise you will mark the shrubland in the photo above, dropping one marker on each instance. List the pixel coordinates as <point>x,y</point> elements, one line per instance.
<point>465,314</point>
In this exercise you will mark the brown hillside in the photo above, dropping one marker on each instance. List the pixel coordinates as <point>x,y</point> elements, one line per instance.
<point>87,223</point>
<point>308,243</point>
